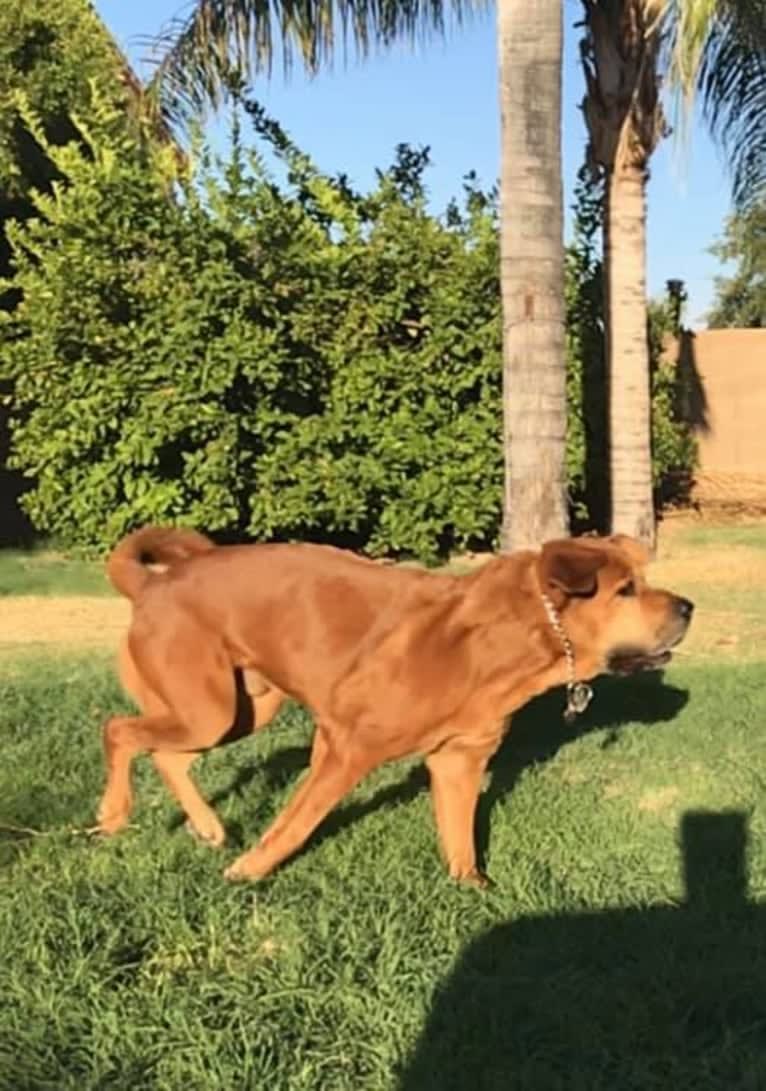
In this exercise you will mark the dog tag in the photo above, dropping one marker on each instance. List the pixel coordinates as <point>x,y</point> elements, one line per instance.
<point>579,696</point>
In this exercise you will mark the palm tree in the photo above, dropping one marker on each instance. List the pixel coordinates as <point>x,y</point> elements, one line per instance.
<point>718,47</point>
<point>625,122</point>
<point>240,37</point>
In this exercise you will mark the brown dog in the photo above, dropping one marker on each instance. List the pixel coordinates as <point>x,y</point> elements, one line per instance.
<point>390,661</point>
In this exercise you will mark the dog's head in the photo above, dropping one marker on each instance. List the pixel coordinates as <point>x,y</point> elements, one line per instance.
<point>612,616</point>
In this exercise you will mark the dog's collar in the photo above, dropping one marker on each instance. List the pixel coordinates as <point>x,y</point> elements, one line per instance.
<point>579,694</point>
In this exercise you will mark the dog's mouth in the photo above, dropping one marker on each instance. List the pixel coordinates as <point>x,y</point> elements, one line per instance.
<point>632,661</point>
<point>629,660</point>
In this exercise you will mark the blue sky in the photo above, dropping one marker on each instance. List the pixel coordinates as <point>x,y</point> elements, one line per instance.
<point>445,95</point>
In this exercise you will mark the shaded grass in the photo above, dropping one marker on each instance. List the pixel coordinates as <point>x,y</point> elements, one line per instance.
<point>43,572</point>
<point>359,966</point>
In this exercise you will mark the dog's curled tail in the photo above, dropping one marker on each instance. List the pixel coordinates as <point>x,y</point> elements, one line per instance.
<point>127,564</point>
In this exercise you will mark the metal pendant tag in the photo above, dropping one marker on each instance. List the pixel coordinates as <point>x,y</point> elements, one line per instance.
<point>579,696</point>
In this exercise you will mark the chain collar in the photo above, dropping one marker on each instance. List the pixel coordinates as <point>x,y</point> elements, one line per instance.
<point>579,694</point>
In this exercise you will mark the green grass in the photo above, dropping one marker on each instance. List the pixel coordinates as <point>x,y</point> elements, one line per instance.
<point>752,535</point>
<point>42,572</point>
<point>592,965</point>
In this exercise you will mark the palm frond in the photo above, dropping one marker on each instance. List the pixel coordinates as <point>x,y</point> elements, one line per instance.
<point>692,22</point>
<point>733,91</point>
<point>222,44</point>
<point>718,54</point>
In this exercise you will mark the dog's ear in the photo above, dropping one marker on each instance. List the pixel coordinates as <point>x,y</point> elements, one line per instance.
<point>570,567</point>
<point>636,552</point>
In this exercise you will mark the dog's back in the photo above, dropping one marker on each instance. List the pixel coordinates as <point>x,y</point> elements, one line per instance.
<point>295,613</point>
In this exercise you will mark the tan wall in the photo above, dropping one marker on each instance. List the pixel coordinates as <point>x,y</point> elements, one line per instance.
<point>730,413</point>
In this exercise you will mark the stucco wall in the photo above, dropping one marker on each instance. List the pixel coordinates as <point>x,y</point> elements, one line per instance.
<point>729,412</point>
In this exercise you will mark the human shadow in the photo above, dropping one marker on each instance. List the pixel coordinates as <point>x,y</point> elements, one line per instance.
<point>664,997</point>
<point>536,733</point>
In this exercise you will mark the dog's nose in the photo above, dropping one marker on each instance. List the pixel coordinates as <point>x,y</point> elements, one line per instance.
<point>685,608</point>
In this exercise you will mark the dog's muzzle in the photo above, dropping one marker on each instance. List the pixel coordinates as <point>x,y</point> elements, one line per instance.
<point>629,660</point>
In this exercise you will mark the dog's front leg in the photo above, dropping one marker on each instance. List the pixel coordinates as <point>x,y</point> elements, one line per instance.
<point>457,769</point>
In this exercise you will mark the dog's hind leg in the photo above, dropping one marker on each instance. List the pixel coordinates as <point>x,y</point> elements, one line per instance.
<point>266,698</point>
<point>174,768</point>
<point>333,773</point>
<point>202,820</point>
<point>124,738</point>
<point>200,707</point>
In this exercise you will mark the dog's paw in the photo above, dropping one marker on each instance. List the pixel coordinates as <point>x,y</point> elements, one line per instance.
<point>246,868</point>
<point>112,822</point>
<point>235,875</point>
<point>476,879</point>
<point>209,831</point>
<point>111,818</point>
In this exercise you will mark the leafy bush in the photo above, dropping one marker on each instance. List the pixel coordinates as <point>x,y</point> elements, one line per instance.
<point>674,445</point>
<point>273,361</point>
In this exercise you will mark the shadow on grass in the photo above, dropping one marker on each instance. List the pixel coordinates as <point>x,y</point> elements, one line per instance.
<point>538,731</point>
<point>655,998</point>
<point>536,734</point>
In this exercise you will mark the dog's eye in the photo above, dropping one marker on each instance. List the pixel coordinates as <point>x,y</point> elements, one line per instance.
<point>627,590</point>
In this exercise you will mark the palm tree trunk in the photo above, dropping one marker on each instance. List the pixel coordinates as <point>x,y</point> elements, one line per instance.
<point>532,272</point>
<point>628,354</point>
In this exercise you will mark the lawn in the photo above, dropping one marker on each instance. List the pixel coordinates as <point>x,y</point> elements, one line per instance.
<point>48,572</point>
<point>622,947</point>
